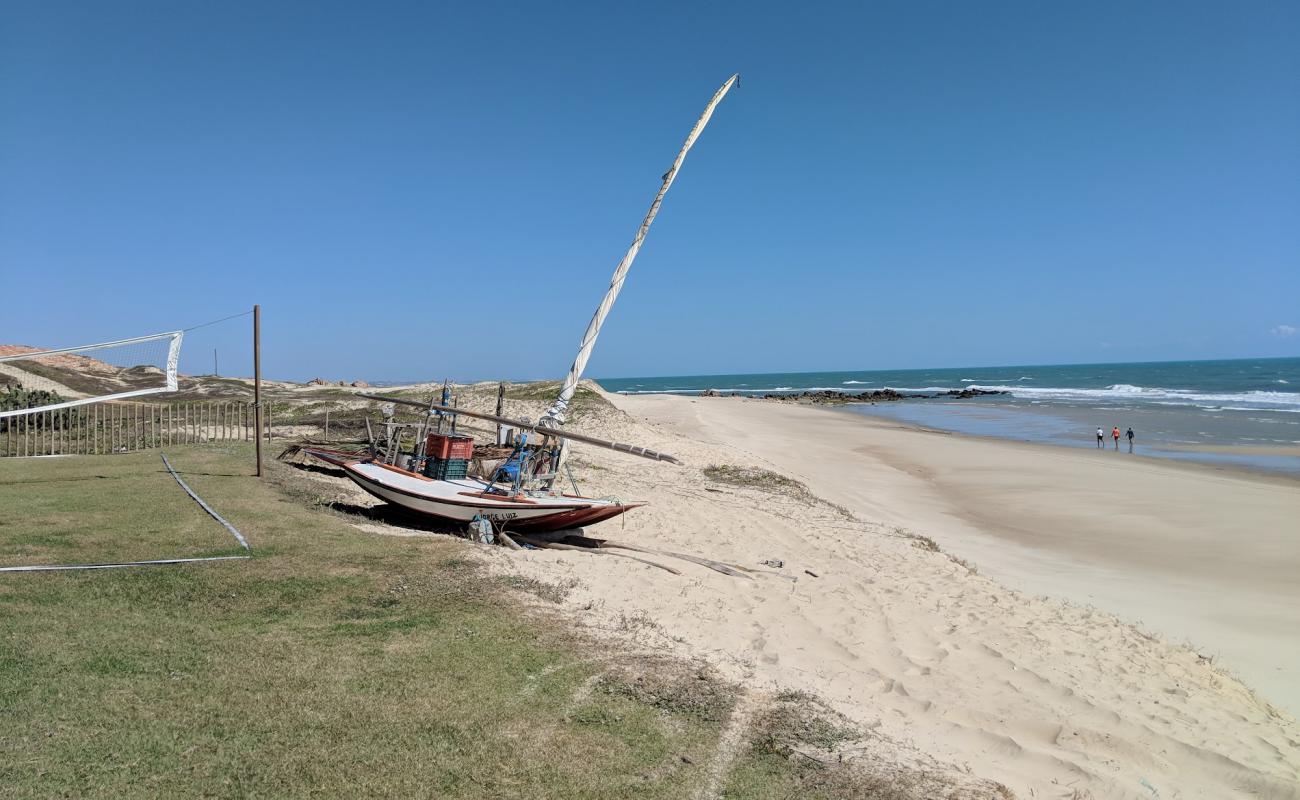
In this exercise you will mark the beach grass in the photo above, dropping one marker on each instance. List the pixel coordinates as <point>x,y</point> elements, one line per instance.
<point>755,478</point>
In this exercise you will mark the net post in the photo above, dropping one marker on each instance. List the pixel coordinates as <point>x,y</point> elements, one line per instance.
<point>257,382</point>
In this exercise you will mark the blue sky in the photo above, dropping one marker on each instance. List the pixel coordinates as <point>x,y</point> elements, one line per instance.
<point>419,191</point>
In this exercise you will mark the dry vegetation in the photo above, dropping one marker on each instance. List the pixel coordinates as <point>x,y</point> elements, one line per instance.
<point>756,478</point>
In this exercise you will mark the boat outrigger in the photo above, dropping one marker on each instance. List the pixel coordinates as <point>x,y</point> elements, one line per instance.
<point>520,493</point>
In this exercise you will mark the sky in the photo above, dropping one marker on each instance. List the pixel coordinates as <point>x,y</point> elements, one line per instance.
<point>415,190</point>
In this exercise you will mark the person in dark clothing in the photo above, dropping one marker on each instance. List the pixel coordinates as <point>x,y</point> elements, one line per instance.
<point>1130,438</point>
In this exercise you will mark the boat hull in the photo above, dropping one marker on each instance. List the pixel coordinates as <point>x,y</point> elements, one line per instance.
<point>459,501</point>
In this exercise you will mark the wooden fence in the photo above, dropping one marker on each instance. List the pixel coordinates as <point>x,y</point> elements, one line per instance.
<point>127,427</point>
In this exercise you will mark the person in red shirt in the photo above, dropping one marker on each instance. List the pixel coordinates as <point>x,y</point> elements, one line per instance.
<point>1114,432</point>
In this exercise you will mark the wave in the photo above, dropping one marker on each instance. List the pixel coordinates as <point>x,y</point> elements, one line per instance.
<point>1255,400</point>
<point>1242,408</point>
<point>1122,393</point>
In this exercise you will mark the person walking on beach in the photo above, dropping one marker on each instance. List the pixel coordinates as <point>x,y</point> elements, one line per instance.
<point>1130,438</point>
<point>1114,432</point>
<point>1101,439</point>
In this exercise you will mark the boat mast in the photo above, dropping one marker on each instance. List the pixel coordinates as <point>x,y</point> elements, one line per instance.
<point>555,415</point>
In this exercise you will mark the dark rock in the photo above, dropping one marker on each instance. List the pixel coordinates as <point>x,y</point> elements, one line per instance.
<point>966,394</point>
<point>881,395</point>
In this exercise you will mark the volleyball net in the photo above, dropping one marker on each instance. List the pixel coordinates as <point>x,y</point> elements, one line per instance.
<point>35,381</point>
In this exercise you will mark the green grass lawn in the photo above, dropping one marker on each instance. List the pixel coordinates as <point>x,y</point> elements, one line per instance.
<point>334,663</point>
<point>105,509</point>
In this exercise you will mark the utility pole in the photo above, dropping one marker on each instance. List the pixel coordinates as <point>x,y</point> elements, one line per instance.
<point>257,382</point>
<point>216,373</point>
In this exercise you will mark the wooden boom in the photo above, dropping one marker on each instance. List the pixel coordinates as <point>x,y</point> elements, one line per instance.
<point>621,447</point>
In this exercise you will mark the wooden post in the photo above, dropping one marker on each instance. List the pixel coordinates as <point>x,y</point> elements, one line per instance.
<point>257,381</point>
<point>501,406</point>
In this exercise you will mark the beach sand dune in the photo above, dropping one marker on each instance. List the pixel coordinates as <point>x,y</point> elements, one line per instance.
<point>943,664</point>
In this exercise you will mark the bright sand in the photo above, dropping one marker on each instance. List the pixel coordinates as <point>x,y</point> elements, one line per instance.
<point>941,664</point>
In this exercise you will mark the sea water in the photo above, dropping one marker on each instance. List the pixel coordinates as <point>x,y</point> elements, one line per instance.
<point>1175,408</point>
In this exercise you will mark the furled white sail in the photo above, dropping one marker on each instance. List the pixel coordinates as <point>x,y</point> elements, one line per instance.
<point>556,413</point>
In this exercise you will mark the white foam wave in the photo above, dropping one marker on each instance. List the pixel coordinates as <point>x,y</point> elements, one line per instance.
<point>1255,400</point>
<point>1243,408</point>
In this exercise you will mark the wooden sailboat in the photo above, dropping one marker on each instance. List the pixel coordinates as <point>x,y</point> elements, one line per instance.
<point>523,498</point>
<point>461,500</point>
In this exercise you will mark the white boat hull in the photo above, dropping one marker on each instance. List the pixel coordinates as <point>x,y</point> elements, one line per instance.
<point>459,501</point>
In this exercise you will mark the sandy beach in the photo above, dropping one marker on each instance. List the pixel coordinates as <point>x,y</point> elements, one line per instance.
<point>1010,656</point>
<point>1206,555</point>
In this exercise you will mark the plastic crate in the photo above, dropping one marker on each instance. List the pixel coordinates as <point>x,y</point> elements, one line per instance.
<point>445,446</point>
<point>446,469</point>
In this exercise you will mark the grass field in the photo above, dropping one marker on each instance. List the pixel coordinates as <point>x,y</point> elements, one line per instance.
<point>334,663</point>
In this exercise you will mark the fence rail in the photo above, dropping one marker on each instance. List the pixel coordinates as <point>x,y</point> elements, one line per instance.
<point>127,427</point>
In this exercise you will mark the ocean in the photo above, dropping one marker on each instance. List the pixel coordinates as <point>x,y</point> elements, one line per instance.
<point>1243,412</point>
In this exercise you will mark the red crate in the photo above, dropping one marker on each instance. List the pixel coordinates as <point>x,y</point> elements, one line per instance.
<point>444,446</point>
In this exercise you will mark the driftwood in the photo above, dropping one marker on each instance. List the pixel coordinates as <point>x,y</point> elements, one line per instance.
<point>717,566</point>
<point>592,543</point>
<point>507,541</point>
<point>545,545</point>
